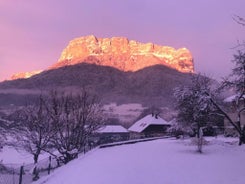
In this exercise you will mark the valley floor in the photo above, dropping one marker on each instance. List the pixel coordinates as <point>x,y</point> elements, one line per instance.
<point>165,161</point>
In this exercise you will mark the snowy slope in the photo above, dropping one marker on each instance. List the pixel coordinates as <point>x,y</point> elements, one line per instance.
<point>156,162</point>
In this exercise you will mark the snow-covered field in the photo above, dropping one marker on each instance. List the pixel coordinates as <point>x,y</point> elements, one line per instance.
<point>165,161</point>
<point>9,155</point>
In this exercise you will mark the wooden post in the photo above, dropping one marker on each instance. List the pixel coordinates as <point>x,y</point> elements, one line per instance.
<point>49,165</point>
<point>200,140</point>
<point>21,173</point>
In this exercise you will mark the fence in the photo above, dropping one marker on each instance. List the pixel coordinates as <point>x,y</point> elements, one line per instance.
<point>10,174</point>
<point>22,174</point>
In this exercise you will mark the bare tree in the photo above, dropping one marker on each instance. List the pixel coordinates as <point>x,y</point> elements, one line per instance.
<point>76,117</point>
<point>197,103</point>
<point>236,81</point>
<point>241,21</point>
<point>7,127</point>
<point>34,130</point>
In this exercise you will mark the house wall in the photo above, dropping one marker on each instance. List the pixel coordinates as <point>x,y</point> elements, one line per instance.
<point>233,114</point>
<point>112,137</point>
<point>155,130</point>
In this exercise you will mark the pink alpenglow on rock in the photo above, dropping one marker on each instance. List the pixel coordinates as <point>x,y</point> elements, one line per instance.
<point>124,54</point>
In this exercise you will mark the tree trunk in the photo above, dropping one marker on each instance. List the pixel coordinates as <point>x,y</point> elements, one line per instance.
<point>242,137</point>
<point>35,170</point>
<point>67,158</point>
<point>200,140</point>
<point>237,125</point>
<point>36,158</point>
<point>198,131</point>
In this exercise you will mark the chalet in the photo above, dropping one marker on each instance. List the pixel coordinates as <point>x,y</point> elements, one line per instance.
<point>150,125</point>
<point>112,133</point>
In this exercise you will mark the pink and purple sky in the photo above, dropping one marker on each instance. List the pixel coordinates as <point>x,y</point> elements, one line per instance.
<point>34,33</point>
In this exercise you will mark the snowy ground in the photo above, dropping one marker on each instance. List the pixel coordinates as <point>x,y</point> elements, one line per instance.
<point>9,155</point>
<point>165,161</point>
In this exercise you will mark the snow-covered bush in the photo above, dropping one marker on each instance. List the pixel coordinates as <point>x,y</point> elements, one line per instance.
<point>178,129</point>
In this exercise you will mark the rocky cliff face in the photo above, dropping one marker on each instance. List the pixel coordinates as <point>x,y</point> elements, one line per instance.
<point>25,75</point>
<point>120,53</point>
<point>124,54</point>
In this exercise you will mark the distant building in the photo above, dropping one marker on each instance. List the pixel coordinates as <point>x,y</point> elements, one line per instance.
<point>150,125</point>
<point>112,133</point>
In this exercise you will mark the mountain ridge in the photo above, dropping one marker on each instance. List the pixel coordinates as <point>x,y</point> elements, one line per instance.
<point>150,86</point>
<point>124,54</point>
<point>120,53</point>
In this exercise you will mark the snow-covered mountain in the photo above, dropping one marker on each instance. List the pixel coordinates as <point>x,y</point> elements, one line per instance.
<point>124,54</point>
<point>118,70</point>
<point>120,53</point>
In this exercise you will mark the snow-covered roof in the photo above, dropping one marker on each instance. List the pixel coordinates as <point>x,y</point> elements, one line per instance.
<point>232,98</point>
<point>173,121</point>
<point>112,129</point>
<point>143,123</point>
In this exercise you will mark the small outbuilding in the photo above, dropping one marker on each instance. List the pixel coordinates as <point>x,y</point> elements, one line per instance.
<point>150,125</point>
<point>112,133</point>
